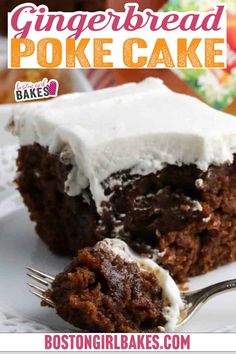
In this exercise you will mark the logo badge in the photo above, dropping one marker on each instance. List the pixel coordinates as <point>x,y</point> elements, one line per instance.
<point>29,91</point>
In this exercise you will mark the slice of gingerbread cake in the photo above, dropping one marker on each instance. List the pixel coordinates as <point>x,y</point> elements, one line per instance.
<point>108,288</point>
<point>136,162</point>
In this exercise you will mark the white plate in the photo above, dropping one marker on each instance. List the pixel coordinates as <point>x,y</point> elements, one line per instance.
<point>20,247</point>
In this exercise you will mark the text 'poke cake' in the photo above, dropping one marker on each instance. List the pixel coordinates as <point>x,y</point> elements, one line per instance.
<point>136,162</point>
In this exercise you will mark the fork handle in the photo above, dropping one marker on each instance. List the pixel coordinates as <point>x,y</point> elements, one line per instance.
<point>210,291</point>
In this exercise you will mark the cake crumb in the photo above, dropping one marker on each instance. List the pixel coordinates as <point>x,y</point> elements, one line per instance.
<point>199,183</point>
<point>197,206</point>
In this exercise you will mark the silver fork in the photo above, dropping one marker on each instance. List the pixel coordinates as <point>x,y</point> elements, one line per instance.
<point>193,300</point>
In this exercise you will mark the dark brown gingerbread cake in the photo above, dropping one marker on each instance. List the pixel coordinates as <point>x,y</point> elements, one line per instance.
<point>101,292</point>
<point>194,212</point>
<point>121,163</point>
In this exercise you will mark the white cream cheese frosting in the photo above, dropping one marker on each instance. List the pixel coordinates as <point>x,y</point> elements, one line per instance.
<point>170,292</point>
<point>141,127</point>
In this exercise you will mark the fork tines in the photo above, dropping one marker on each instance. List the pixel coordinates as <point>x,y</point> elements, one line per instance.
<point>44,279</point>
